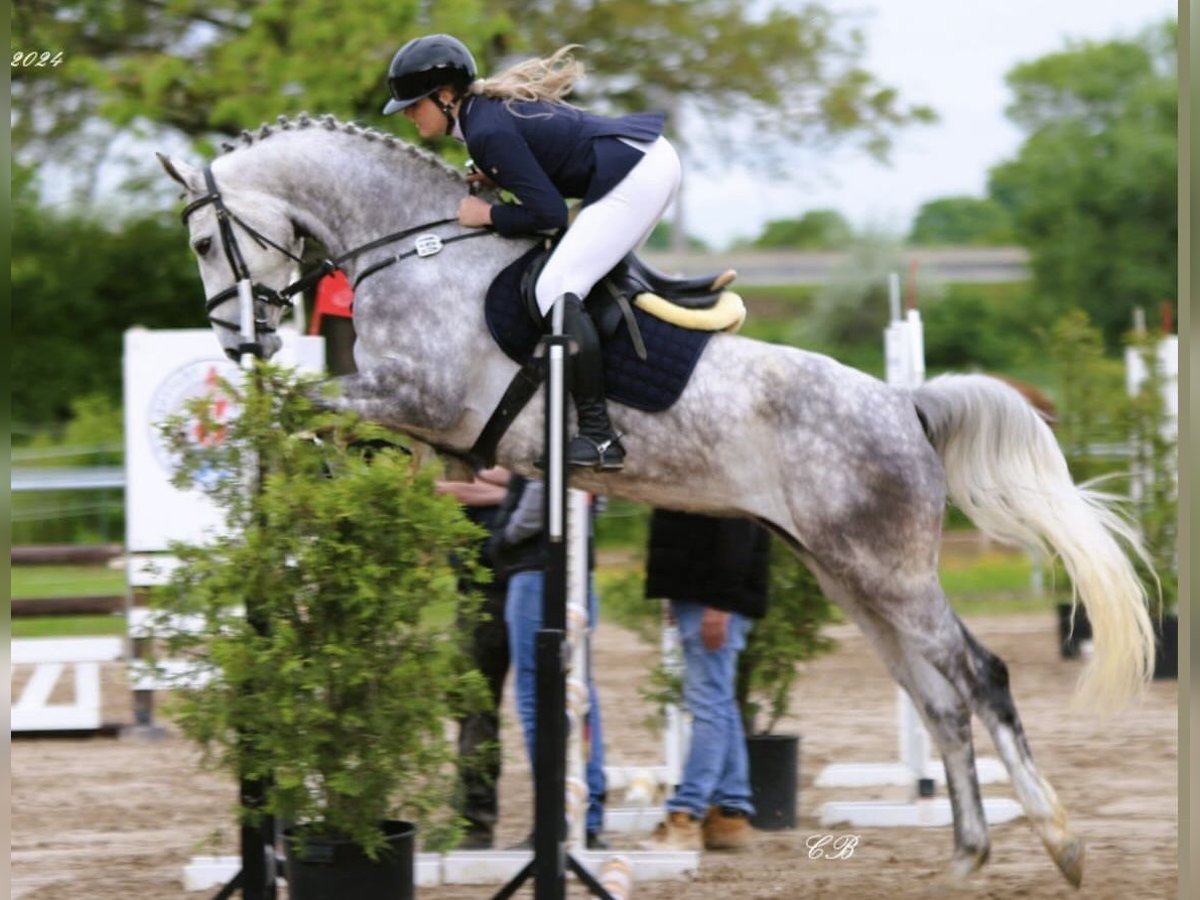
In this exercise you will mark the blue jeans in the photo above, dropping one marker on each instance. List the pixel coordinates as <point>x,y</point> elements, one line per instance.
<point>523,615</point>
<point>717,770</point>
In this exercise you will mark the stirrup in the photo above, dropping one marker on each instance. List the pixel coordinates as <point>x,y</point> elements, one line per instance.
<point>603,460</point>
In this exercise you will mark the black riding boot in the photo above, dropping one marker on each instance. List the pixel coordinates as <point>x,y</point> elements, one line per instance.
<point>596,445</point>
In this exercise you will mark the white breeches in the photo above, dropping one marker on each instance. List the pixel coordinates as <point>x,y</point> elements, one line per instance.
<point>606,231</point>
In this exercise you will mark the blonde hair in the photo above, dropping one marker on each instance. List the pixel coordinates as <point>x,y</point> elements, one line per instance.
<point>549,79</point>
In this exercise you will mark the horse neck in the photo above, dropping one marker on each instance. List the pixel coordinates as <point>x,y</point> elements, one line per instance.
<point>344,189</point>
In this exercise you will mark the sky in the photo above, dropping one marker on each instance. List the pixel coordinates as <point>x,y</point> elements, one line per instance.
<point>951,55</point>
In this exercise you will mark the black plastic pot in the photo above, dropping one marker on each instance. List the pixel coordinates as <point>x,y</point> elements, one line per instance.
<point>774,772</point>
<point>1166,638</point>
<point>333,869</point>
<point>1070,641</point>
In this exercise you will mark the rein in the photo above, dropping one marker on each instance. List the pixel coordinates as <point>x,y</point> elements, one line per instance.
<point>426,245</point>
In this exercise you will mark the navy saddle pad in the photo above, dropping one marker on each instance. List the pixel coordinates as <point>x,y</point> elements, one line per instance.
<point>652,384</point>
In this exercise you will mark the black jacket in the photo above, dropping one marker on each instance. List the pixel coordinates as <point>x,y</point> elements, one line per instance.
<point>545,153</point>
<point>720,562</point>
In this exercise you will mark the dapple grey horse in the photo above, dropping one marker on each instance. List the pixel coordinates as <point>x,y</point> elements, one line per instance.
<point>852,473</point>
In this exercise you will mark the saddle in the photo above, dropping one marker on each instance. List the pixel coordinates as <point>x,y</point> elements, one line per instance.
<point>695,303</point>
<point>647,363</point>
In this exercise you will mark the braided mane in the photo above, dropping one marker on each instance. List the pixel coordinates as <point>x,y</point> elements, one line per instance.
<point>331,123</point>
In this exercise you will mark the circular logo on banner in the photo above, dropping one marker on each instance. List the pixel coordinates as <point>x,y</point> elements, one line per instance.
<point>200,378</point>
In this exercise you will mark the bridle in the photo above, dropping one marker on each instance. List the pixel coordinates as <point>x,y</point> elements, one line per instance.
<point>256,297</point>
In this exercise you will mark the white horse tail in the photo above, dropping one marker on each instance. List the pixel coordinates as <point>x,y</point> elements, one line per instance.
<point>1005,470</point>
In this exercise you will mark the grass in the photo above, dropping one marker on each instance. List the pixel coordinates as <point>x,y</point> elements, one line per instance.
<point>68,626</point>
<point>993,581</point>
<point>48,582</point>
<point>37,582</point>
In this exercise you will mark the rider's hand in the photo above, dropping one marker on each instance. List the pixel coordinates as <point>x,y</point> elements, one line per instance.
<point>479,178</point>
<point>474,212</point>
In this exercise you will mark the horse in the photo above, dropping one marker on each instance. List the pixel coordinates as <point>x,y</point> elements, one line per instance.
<point>853,474</point>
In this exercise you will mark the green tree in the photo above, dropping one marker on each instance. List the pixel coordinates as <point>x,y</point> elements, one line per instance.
<point>817,229</point>
<point>77,287</point>
<point>204,67</point>
<point>792,72</point>
<point>851,309</point>
<point>1092,190</point>
<point>660,239</point>
<point>1090,395</point>
<point>219,66</point>
<point>1153,441</point>
<point>962,222</point>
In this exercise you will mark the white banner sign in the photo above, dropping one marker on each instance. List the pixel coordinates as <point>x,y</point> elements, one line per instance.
<point>163,370</point>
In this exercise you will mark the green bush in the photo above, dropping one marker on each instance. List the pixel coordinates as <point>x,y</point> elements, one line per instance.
<point>80,283</point>
<point>788,634</point>
<point>334,686</point>
<point>976,326</point>
<point>1153,439</point>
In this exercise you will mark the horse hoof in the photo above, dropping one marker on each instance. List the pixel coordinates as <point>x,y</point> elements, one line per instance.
<point>1069,858</point>
<point>964,864</point>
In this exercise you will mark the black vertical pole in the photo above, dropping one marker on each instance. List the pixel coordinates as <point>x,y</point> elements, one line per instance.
<point>549,830</point>
<point>257,875</point>
<point>550,862</point>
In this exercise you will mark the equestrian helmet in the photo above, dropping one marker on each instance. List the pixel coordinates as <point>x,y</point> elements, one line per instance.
<point>424,65</point>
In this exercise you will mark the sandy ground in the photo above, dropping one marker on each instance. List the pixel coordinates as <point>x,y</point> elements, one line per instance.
<point>108,818</point>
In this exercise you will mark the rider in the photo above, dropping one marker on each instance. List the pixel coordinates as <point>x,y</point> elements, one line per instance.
<point>526,139</point>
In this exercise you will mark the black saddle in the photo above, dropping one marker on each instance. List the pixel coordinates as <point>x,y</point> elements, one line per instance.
<point>609,303</point>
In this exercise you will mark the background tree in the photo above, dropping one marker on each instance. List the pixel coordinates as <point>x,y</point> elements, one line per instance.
<point>818,229</point>
<point>1093,189</point>
<point>750,84</point>
<point>218,66</point>
<point>962,222</point>
<point>77,287</point>
<point>209,67</point>
<point>851,309</point>
<point>791,72</point>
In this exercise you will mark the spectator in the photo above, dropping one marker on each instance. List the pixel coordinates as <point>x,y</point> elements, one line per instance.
<point>518,549</point>
<point>714,573</point>
<point>479,733</point>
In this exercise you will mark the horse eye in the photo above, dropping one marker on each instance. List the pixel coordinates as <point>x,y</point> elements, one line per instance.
<point>202,246</point>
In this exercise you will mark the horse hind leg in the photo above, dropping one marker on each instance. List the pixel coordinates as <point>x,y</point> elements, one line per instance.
<point>987,676</point>
<point>981,677</point>
<point>943,708</point>
<point>947,717</point>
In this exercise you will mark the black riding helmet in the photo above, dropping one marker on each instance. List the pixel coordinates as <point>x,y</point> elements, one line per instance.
<point>424,65</point>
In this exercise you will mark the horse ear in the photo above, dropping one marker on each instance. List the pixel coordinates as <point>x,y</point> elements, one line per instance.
<point>186,175</point>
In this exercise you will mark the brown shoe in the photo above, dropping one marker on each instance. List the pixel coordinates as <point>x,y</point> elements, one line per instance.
<point>725,829</point>
<point>680,831</point>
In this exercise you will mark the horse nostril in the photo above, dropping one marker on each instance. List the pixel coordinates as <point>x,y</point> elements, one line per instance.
<point>233,355</point>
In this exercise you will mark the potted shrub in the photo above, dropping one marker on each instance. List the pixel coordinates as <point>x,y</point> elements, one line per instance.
<point>1153,440</point>
<point>1089,417</point>
<point>316,617</point>
<point>789,633</point>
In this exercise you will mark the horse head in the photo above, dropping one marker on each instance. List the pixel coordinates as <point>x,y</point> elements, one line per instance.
<point>247,248</point>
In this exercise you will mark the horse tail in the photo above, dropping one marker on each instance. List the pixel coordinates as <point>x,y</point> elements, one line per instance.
<point>1004,469</point>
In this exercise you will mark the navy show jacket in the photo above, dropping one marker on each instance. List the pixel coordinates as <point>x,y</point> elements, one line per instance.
<point>544,153</point>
